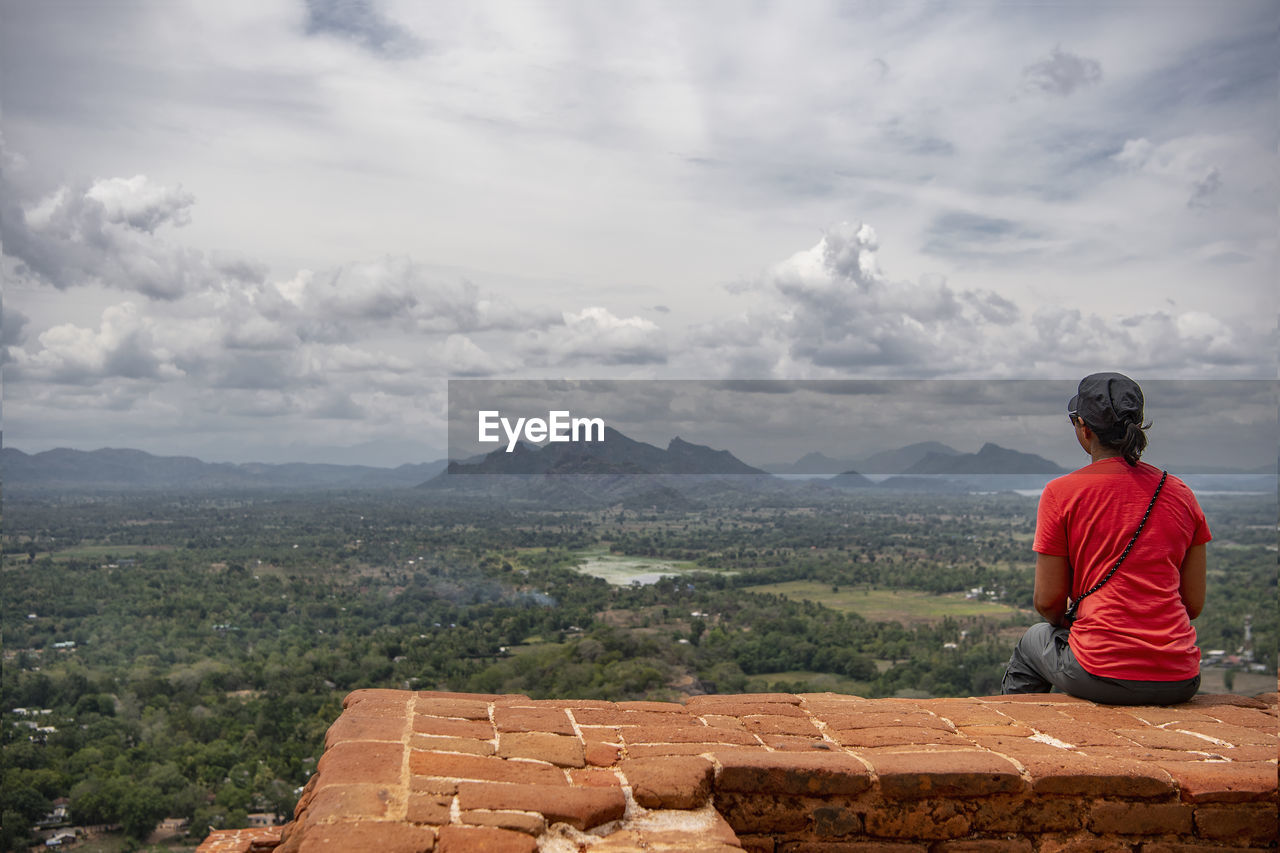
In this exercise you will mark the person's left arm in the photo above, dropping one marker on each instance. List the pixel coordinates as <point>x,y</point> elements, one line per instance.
<point>1192,582</point>
<point>1053,585</point>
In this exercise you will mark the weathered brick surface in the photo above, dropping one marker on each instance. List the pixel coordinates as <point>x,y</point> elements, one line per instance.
<point>483,839</point>
<point>581,808</point>
<point>557,749</point>
<point>783,773</point>
<point>1140,818</point>
<point>669,783</point>
<point>791,774</point>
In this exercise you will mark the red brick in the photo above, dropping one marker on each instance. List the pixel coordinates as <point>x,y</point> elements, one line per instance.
<point>1082,734</point>
<point>565,704</point>
<point>1083,842</point>
<point>550,720</point>
<point>1159,716</point>
<point>360,837</point>
<point>361,761</point>
<point>556,749</point>
<point>738,708</point>
<point>1154,738</point>
<point>455,766</point>
<point>713,700</point>
<point>911,775</point>
<point>1017,747</point>
<point>526,822</point>
<point>984,845</point>
<point>747,812</point>
<point>1010,729</point>
<point>377,703</point>
<point>484,839</point>
<point>896,736</point>
<point>600,754</point>
<point>429,808</point>
<point>1067,773</point>
<point>717,721</point>
<point>794,743</point>
<point>350,727</point>
<point>886,720</point>
<point>449,727</point>
<point>1223,782</point>
<point>619,717</point>
<point>781,726</point>
<point>594,777</point>
<point>920,820</point>
<point>850,847</point>
<point>465,709</point>
<point>655,707</point>
<point>1018,814</point>
<point>1250,718</point>
<point>433,785</point>
<point>669,783</point>
<point>1234,735</point>
<point>1250,822</point>
<point>686,734</point>
<point>581,808</point>
<point>1140,818</point>
<point>757,843</point>
<point>791,773</point>
<point>836,821</point>
<point>965,712</point>
<point>435,743</point>
<point>332,802</point>
<point>648,750</point>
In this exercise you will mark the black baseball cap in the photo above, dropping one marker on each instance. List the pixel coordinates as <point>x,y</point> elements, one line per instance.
<point>1106,402</point>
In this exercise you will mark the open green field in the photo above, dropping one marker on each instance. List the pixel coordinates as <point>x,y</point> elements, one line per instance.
<point>887,605</point>
<point>623,570</point>
<point>808,682</point>
<point>92,552</point>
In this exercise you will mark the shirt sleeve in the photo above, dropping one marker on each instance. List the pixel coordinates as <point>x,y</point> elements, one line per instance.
<point>1202,534</point>
<point>1051,533</point>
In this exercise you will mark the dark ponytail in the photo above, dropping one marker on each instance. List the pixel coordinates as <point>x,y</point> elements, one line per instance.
<point>1131,440</point>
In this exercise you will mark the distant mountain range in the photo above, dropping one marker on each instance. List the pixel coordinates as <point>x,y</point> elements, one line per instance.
<point>682,474</point>
<point>885,462</point>
<point>990,459</point>
<point>111,468</point>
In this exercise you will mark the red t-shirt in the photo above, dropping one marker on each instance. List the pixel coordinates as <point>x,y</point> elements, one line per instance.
<point>1136,627</point>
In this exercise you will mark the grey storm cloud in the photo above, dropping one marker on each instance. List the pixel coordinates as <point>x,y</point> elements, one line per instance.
<point>360,22</point>
<point>12,331</point>
<point>1062,73</point>
<point>104,232</point>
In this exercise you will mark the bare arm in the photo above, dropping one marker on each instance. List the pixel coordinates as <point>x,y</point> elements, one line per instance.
<point>1192,586</point>
<point>1053,585</point>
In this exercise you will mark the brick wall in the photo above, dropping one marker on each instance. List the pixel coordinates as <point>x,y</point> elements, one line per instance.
<point>780,773</point>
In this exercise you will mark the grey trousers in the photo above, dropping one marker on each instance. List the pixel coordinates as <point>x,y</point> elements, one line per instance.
<point>1043,660</point>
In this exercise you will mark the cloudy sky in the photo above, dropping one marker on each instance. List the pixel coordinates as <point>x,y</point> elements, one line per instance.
<point>273,230</point>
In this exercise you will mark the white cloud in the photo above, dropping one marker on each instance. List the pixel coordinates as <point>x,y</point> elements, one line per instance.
<point>124,346</point>
<point>140,204</point>
<point>830,311</point>
<point>595,336</point>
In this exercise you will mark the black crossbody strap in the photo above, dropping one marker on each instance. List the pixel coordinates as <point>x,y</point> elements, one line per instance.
<point>1070,615</point>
